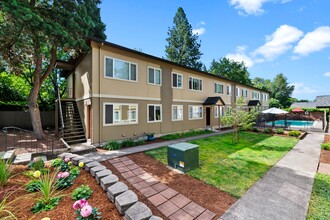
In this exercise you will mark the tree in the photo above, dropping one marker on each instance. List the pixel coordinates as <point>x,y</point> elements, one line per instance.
<point>239,118</point>
<point>230,69</point>
<point>183,46</point>
<point>261,83</point>
<point>33,31</point>
<point>281,90</point>
<point>275,103</point>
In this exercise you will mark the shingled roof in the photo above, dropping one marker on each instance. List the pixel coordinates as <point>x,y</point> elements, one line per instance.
<point>303,105</point>
<point>254,103</point>
<point>213,100</point>
<point>323,101</point>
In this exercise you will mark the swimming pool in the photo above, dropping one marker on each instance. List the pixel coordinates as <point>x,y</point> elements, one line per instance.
<point>294,123</point>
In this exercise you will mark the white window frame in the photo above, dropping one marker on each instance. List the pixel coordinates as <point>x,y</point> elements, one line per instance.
<point>178,119</point>
<point>160,76</point>
<point>178,74</point>
<point>215,88</point>
<point>192,79</point>
<point>229,90</point>
<point>113,69</point>
<point>113,112</point>
<point>216,111</point>
<point>229,110</point>
<point>237,91</point>
<point>161,113</point>
<point>192,106</point>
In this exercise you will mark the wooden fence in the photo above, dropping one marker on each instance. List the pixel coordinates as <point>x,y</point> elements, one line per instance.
<point>22,119</point>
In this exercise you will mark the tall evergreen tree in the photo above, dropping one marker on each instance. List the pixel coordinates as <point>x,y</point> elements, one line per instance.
<point>32,32</point>
<point>183,46</point>
<point>281,90</point>
<point>231,69</point>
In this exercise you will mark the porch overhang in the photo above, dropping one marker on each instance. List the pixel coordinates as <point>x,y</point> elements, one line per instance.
<point>216,100</point>
<point>254,103</point>
<point>66,67</point>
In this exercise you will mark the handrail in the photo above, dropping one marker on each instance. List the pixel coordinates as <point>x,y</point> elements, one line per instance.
<point>60,107</point>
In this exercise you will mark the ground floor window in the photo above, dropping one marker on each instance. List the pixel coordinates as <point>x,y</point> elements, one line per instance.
<point>177,112</point>
<point>117,113</point>
<point>195,112</point>
<point>154,113</point>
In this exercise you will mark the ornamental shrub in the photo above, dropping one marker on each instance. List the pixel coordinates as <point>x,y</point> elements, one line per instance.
<point>280,131</point>
<point>82,192</point>
<point>294,133</point>
<point>325,146</point>
<point>267,130</point>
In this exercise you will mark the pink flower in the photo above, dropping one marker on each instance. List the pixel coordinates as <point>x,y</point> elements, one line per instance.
<point>80,204</point>
<point>76,205</point>
<point>86,211</point>
<point>66,159</point>
<point>83,202</point>
<point>63,174</point>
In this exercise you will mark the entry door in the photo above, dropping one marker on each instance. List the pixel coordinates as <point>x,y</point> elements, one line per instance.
<point>208,116</point>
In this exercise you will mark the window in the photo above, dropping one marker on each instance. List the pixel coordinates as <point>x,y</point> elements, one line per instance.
<point>176,80</point>
<point>154,113</point>
<point>266,97</point>
<point>195,112</point>
<point>120,114</point>
<point>244,92</point>
<point>228,90</point>
<point>119,69</point>
<point>237,92</point>
<point>256,95</point>
<point>177,112</point>
<point>216,111</point>
<point>218,88</point>
<point>195,84</point>
<point>222,110</point>
<point>228,111</point>
<point>154,76</point>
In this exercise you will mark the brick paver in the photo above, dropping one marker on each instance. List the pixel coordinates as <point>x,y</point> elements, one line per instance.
<point>171,203</point>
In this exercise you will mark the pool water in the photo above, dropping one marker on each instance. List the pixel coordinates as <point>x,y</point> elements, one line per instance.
<point>294,123</point>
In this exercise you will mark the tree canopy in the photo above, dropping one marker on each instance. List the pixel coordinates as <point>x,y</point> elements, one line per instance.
<point>183,46</point>
<point>230,69</point>
<point>32,32</point>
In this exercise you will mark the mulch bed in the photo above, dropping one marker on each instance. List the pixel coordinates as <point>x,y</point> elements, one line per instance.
<point>203,194</point>
<point>21,207</point>
<point>325,154</point>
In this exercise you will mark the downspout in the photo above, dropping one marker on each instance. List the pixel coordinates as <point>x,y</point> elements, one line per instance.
<point>100,104</point>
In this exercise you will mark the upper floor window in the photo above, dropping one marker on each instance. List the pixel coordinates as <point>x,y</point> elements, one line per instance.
<point>154,113</point>
<point>154,76</point>
<point>244,92</point>
<point>218,88</point>
<point>237,92</point>
<point>228,90</point>
<point>120,114</point>
<point>256,95</point>
<point>265,97</point>
<point>119,69</point>
<point>177,80</point>
<point>195,84</point>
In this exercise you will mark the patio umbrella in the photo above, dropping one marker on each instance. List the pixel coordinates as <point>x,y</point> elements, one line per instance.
<point>274,111</point>
<point>298,110</point>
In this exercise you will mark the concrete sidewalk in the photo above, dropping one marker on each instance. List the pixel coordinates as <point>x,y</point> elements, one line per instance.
<point>284,192</point>
<point>102,156</point>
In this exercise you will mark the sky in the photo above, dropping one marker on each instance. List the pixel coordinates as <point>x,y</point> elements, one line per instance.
<point>271,36</point>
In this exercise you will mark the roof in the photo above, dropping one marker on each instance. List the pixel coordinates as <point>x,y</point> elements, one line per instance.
<point>254,103</point>
<point>323,101</point>
<point>213,100</point>
<point>303,105</point>
<point>167,61</point>
<point>297,110</point>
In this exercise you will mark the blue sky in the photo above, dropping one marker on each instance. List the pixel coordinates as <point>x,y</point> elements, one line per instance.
<point>271,36</point>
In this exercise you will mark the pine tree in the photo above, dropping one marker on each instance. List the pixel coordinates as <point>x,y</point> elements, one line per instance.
<point>183,46</point>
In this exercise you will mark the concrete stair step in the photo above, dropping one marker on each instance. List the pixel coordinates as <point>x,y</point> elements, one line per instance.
<point>23,158</point>
<point>7,155</point>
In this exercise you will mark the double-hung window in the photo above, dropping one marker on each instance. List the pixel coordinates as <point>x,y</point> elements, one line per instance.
<point>195,84</point>
<point>120,114</point>
<point>177,112</point>
<point>154,76</point>
<point>216,111</point>
<point>218,88</point>
<point>195,112</point>
<point>177,80</point>
<point>119,69</point>
<point>229,90</point>
<point>154,113</point>
<point>237,92</point>
<point>244,92</point>
<point>256,95</point>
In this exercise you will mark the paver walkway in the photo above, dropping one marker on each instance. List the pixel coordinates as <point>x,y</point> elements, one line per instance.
<point>102,156</point>
<point>284,192</point>
<point>171,203</point>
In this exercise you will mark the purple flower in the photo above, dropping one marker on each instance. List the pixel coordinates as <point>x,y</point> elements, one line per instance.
<point>83,202</point>
<point>86,211</point>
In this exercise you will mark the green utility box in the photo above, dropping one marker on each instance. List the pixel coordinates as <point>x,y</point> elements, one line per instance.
<point>183,156</point>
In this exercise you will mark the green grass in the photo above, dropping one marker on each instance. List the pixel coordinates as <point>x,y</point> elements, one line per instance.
<point>319,205</point>
<point>184,134</point>
<point>235,168</point>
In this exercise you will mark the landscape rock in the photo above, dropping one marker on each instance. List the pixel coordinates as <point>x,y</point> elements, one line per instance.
<point>139,211</point>
<point>115,190</point>
<point>103,173</point>
<point>96,169</point>
<point>108,181</point>
<point>125,200</point>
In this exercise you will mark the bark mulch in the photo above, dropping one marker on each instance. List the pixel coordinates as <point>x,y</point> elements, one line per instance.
<point>203,194</point>
<point>325,154</point>
<point>25,201</point>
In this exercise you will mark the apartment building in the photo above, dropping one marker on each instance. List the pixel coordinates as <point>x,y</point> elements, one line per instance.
<point>123,93</point>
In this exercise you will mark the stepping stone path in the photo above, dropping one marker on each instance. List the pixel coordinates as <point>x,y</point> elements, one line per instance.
<point>171,203</point>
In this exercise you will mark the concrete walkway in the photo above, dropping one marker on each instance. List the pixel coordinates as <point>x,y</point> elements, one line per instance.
<point>102,156</point>
<point>284,192</point>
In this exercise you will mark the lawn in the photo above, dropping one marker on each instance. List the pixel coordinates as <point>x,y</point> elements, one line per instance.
<point>319,205</point>
<point>235,168</point>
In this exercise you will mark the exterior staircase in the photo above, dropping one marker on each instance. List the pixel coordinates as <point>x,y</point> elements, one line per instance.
<point>73,132</point>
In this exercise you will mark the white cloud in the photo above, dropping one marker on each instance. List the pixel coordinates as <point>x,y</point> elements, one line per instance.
<point>199,31</point>
<point>302,88</point>
<point>327,74</point>
<point>240,56</point>
<point>314,41</point>
<point>252,7</point>
<point>278,42</point>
